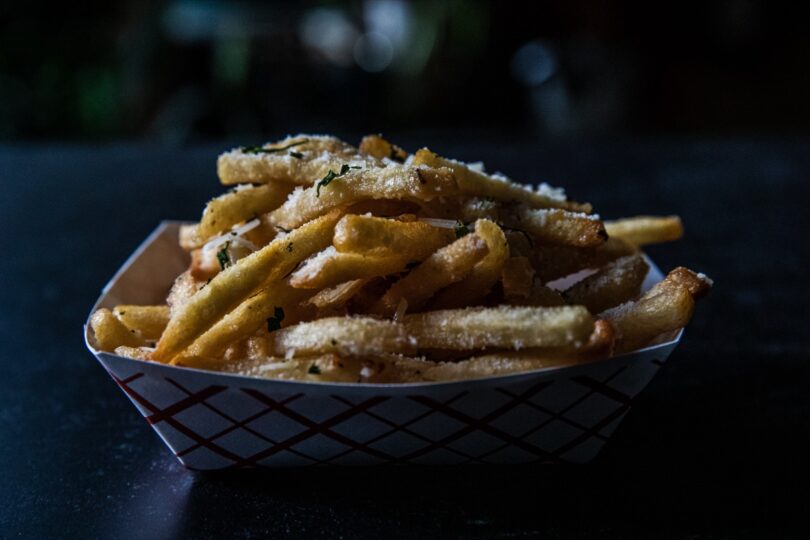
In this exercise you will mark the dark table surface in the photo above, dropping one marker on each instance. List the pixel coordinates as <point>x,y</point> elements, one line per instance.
<point>716,447</point>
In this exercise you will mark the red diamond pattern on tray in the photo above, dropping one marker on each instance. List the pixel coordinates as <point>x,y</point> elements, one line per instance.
<point>547,420</point>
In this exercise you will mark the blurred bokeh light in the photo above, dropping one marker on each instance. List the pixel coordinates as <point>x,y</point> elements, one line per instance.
<point>184,70</point>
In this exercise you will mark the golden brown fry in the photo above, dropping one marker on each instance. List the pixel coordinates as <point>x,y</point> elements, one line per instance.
<point>328,268</point>
<point>643,230</point>
<point>616,283</point>
<point>666,307</point>
<point>480,184</point>
<point>110,333</point>
<point>378,147</point>
<point>448,265</point>
<point>554,262</point>
<point>503,327</point>
<point>484,275</point>
<point>517,277</point>
<point>264,309</point>
<point>234,284</point>
<point>318,368</point>
<point>136,353</point>
<point>345,336</point>
<point>302,160</point>
<point>556,226</point>
<point>383,237</point>
<point>354,185</point>
<point>337,296</point>
<point>244,204</point>
<point>147,321</point>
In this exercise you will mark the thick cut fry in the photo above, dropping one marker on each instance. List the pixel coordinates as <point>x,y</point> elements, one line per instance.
<point>378,147</point>
<point>111,333</point>
<point>448,265</point>
<point>517,278</point>
<point>555,226</point>
<point>147,321</point>
<point>616,283</point>
<point>351,186</point>
<point>389,237</point>
<point>318,368</point>
<point>337,296</point>
<point>302,160</point>
<point>484,275</point>
<point>554,262</point>
<point>643,230</point>
<point>246,203</point>
<point>328,268</point>
<point>346,336</point>
<point>136,353</point>
<point>664,308</point>
<point>480,184</point>
<point>231,286</point>
<point>265,308</point>
<point>503,327</point>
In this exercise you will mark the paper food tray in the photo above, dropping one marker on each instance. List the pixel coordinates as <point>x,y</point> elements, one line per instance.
<point>213,420</point>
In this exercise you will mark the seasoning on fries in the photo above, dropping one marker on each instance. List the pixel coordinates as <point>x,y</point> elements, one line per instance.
<point>327,262</point>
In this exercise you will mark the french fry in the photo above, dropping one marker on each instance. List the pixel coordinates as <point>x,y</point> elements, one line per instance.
<point>484,275</point>
<point>498,187</point>
<point>378,147</point>
<point>616,283</point>
<point>345,336</point>
<point>328,268</point>
<point>503,327</point>
<point>448,265</point>
<point>337,296</point>
<point>554,262</point>
<point>664,308</point>
<point>264,309</point>
<point>389,237</point>
<point>517,278</point>
<point>643,230</point>
<point>540,296</point>
<point>346,186</point>
<point>556,226</point>
<point>147,321</point>
<point>231,286</point>
<point>111,333</point>
<point>317,368</point>
<point>227,210</point>
<point>302,160</point>
<point>136,353</point>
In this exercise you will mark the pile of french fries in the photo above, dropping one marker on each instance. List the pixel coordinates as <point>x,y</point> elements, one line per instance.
<point>329,262</point>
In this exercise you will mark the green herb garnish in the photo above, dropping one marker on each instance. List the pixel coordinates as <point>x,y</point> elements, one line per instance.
<point>461,229</point>
<point>274,322</point>
<point>263,150</point>
<point>223,257</point>
<point>314,370</point>
<point>331,175</point>
<point>297,155</point>
<point>290,247</point>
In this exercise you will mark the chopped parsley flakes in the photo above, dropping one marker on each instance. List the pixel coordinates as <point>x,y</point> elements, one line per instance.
<point>461,229</point>
<point>331,175</point>
<point>223,257</point>
<point>314,370</point>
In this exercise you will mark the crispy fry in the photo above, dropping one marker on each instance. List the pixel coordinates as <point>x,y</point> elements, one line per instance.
<point>517,278</point>
<point>147,321</point>
<point>111,333</point>
<point>389,237</point>
<point>556,226</point>
<point>345,336</point>
<point>484,275</point>
<point>245,203</point>
<point>664,308</point>
<point>377,146</point>
<point>617,282</point>
<point>504,326</point>
<point>265,308</point>
<point>328,268</point>
<point>554,262</point>
<point>351,186</point>
<point>318,368</point>
<point>448,265</point>
<point>302,160</point>
<point>231,286</point>
<point>480,184</point>
<point>643,230</point>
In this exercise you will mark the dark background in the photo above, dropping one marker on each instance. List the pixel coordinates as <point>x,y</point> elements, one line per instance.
<point>111,117</point>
